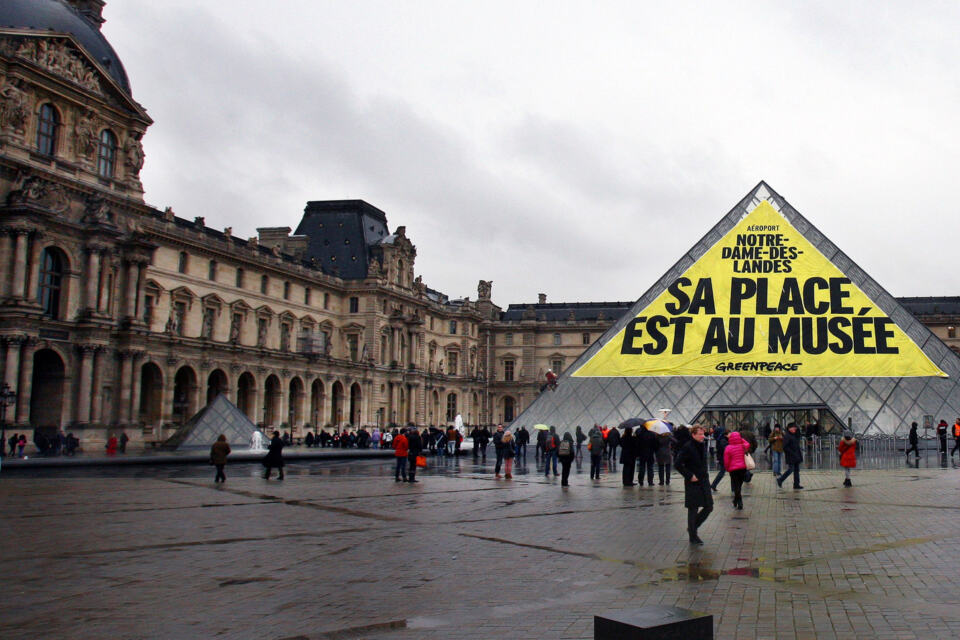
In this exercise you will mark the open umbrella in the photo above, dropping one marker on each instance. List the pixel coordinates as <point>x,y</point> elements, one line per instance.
<point>658,426</point>
<point>632,422</point>
<point>541,427</point>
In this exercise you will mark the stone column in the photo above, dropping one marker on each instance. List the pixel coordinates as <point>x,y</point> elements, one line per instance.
<point>12,365</point>
<point>85,382</point>
<point>166,411</point>
<point>105,284</point>
<point>26,381</point>
<point>93,277</point>
<point>96,403</point>
<point>123,407</point>
<point>33,269</point>
<point>6,254</point>
<point>133,280</point>
<point>135,387</point>
<point>19,264</point>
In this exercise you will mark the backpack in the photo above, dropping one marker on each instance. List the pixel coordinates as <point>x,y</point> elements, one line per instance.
<point>596,444</point>
<point>550,443</point>
<point>566,448</point>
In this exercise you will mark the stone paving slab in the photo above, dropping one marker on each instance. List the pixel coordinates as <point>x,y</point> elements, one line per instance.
<point>339,550</point>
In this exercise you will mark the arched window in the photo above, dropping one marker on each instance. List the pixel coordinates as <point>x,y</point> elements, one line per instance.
<point>107,154</point>
<point>51,281</point>
<point>451,407</point>
<point>182,262</point>
<point>48,125</point>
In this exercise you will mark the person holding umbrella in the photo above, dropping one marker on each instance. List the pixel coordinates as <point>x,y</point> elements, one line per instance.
<point>691,463</point>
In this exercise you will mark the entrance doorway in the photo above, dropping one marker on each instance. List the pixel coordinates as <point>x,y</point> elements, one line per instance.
<point>756,418</point>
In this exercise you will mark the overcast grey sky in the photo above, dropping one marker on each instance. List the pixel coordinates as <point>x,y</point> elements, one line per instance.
<point>573,148</point>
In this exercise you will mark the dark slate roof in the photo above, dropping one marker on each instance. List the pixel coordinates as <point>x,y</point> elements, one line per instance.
<point>341,233</point>
<point>560,311</point>
<point>56,16</point>
<point>932,306</point>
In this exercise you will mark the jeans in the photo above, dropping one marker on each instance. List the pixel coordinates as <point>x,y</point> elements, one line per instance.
<point>595,466</point>
<point>663,470</point>
<point>645,468</point>
<point>547,457</point>
<point>522,450</point>
<point>793,468</point>
<point>777,461</point>
<point>401,471</point>
<point>736,483</point>
<point>720,473</point>
<point>412,467</point>
<point>496,469</point>
<point>451,447</point>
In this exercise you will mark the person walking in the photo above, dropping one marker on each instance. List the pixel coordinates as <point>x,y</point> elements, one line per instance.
<point>550,444</point>
<point>414,449</point>
<point>124,439</point>
<point>498,449</point>
<point>596,452</point>
<point>566,453</point>
<point>580,436</point>
<point>720,441</point>
<point>793,452</point>
<point>776,449</point>
<point>507,441</point>
<point>613,441</point>
<point>914,440</point>
<point>538,449</point>
<point>691,463</point>
<point>22,443</point>
<point>734,461</point>
<point>646,454</point>
<point>628,456</point>
<point>664,457</point>
<point>848,455</point>
<point>219,451</point>
<point>400,451</point>
<point>522,440</point>
<point>942,435</point>
<point>274,457</point>
<point>956,437</point>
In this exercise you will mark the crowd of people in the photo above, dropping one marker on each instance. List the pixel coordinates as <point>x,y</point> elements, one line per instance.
<point>46,444</point>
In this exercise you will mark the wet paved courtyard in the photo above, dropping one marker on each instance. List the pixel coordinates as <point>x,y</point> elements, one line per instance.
<point>338,550</point>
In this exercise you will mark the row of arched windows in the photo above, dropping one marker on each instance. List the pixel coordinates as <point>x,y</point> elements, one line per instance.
<point>48,136</point>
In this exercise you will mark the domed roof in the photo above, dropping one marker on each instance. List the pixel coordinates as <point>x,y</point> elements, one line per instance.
<point>58,17</point>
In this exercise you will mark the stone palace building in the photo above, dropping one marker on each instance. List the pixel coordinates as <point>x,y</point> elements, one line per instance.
<point>116,315</point>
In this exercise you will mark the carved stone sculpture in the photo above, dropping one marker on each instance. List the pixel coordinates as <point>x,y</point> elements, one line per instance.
<point>133,155</point>
<point>85,134</point>
<point>37,191</point>
<point>483,289</point>
<point>58,58</point>
<point>14,108</point>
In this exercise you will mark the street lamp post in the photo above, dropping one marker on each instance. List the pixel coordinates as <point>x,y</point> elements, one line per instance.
<point>7,398</point>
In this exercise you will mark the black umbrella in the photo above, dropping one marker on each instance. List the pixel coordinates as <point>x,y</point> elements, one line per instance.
<point>632,422</point>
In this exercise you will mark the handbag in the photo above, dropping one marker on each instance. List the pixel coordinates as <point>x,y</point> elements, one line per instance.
<point>748,460</point>
<point>422,461</point>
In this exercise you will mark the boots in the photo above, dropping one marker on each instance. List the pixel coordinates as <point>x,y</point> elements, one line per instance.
<point>847,483</point>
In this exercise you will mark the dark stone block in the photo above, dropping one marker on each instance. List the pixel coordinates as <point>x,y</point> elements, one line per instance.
<point>653,623</point>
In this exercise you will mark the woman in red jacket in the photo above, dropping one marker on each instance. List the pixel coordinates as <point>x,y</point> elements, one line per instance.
<point>848,455</point>
<point>736,465</point>
<point>400,450</point>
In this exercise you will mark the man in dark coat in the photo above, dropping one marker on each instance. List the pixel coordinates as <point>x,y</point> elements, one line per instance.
<point>646,454</point>
<point>914,440</point>
<point>942,435</point>
<point>793,452</point>
<point>691,463</point>
<point>498,449</point>
<point>613,441</point>
<point>720,439</point>
<point>274,457</point>
<point>414,449</point>
<point>523,438</point>
<point>628,455</point>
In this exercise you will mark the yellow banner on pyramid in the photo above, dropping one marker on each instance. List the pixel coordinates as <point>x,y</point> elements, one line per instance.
<point>763,301</point>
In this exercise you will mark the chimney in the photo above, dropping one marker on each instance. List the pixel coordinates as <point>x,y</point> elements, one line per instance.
<point>542,298</point>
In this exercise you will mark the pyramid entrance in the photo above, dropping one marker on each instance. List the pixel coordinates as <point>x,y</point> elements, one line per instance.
<point>763,314</point>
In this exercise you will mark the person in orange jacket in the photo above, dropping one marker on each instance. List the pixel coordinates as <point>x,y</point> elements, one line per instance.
<point>400,450</point>
<point>956,436</point>
<point>848,455</point>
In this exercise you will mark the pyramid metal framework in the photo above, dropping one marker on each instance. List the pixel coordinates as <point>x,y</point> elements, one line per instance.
<point>881,405</point>
<point>203,429</point>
